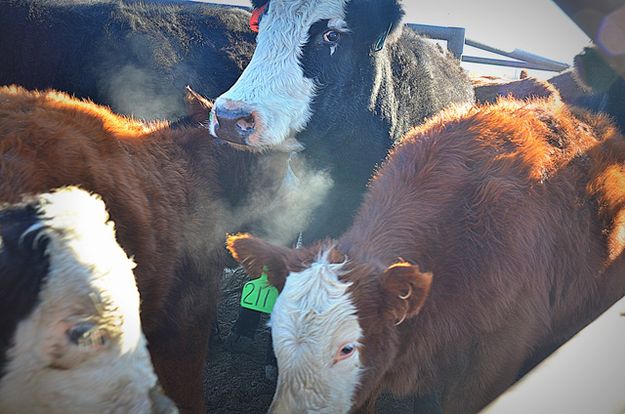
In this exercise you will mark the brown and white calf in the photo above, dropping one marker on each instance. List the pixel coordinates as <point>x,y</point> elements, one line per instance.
<point>160,187</point>
<point>490,235</point>
<point>70,332</point>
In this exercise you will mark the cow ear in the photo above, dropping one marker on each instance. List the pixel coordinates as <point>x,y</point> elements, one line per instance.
<point>257,256</point>
<point>593,70</point>
<point>373,21</point>
<point>197,106</point>
<point>405,289</point>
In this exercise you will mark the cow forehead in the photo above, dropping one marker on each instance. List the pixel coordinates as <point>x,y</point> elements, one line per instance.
<point>313,317</point>
<point>89,273</point>
<point>303,13</point>
<point>315,304</point>
<point>86,263</point>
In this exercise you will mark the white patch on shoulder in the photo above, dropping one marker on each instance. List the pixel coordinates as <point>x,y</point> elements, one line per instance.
<point>273,84</point>
<point>313,318</point>
<point>90,283</point>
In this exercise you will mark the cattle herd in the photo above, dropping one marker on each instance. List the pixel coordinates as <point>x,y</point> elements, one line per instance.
<point>455,231</point>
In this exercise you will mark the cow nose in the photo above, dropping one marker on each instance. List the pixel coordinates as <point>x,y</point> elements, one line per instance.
<point>234,124</point>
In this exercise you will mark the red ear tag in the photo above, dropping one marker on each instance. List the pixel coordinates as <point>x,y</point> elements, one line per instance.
<point>257,14</point>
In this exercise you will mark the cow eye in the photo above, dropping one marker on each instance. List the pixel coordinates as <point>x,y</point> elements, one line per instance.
<point>331,37</point>
<point>86,334</point>
<point>345,351</point>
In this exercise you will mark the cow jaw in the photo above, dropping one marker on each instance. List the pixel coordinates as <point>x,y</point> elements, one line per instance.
<point>314,317</point>
<point>273,85</point>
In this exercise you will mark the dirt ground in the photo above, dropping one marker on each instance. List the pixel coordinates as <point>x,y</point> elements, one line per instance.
<point>236,383</point>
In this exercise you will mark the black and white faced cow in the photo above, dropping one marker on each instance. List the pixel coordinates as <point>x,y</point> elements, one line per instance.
<point>70,333</point>
<point>342,79</point>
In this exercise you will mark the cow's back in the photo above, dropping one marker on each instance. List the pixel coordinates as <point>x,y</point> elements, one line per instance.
<point>426,79</point>
<point>134,57</point>
<point>48,141</point>
<point>517,209</point>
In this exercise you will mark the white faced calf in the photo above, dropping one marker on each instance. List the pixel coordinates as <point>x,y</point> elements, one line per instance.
<point>70,333</point>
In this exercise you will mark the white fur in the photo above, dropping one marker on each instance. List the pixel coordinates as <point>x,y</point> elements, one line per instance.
<point>313,317</point>
<point>90,280</point>
<point>273,84</point>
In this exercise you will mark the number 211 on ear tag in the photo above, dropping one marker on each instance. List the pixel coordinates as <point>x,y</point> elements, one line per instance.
<point>259,295</point>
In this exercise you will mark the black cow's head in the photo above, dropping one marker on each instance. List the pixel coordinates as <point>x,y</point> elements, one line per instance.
<point>305,49</point>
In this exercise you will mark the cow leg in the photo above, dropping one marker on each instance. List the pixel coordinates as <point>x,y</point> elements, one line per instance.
<point>242,335</point>
<point>179,359</point>
<point>271,362</point>
<point>179,345</point>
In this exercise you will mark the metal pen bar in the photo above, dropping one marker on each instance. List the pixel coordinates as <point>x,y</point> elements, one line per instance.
<point>453,35</point>
<point>511,63</point>
<point>520,55</point>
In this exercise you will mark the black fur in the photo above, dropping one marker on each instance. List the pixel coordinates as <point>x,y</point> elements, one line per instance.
<point>23,268</point>
<point>257,3</point>
<point>355,121</point>
<point>606,84</point>
<point>135,57</point>
<point>371,19</point>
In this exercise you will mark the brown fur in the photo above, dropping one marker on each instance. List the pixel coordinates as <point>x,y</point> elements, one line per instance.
<point>489,88</point>
<point>517,209</point>
<point>160,187</point>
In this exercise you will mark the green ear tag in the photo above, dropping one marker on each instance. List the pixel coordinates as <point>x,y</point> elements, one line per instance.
<point>379,43</point>
<point>259,295</point>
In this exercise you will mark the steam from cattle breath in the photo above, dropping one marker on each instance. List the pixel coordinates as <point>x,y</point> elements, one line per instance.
<point>279,216</point>
<point>136,91</point>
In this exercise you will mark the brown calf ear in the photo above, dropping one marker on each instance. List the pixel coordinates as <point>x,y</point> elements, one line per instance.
<point>405,290</point>
<point>255,255</point>
<point>197,106</point>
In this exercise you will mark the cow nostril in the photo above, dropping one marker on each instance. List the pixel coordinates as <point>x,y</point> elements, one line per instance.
<point>247,123</point>
<point>233,124</point>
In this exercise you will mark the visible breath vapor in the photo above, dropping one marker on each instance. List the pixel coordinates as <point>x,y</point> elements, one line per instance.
<point>136,91</point>
<point>282,197</point>
<point>279,216</point>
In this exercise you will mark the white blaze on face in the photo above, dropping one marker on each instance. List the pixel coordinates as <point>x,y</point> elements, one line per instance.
<point>273,85</point>
<point>90,289</point>
<point>314,326</point>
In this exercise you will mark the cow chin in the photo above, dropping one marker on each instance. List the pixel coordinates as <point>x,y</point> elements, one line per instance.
<point>285,401</point>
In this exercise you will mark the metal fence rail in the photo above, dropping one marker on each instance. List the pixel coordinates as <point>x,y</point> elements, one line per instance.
<point>456,40</point>
<point>585,376</point>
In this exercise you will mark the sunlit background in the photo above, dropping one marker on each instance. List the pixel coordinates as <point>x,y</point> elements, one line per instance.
<point>536,26</point>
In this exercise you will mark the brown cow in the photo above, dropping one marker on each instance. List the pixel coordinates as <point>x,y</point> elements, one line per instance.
<point>160,187</point>
<point>490,88</point>
<point>490,232</point>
